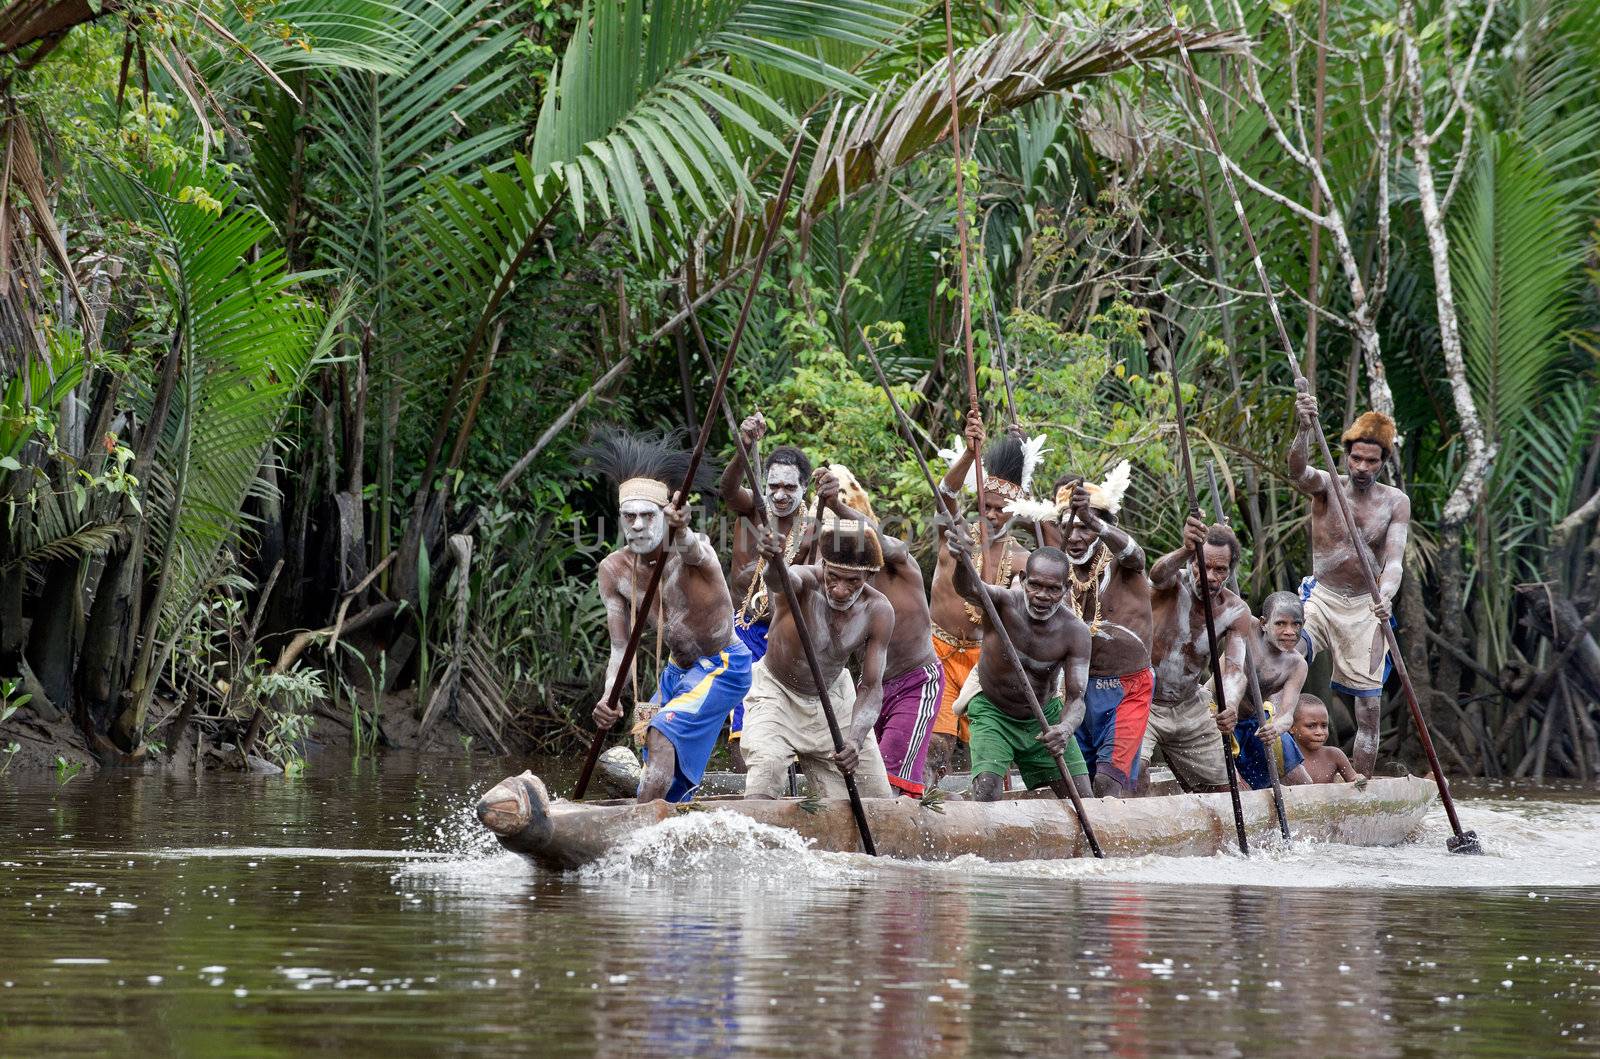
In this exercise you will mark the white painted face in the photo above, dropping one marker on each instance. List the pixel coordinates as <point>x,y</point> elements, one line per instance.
<point>644,527</point>
<point>785,492</point>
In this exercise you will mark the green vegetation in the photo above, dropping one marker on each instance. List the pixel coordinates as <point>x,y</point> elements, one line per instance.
<point>294,289</point>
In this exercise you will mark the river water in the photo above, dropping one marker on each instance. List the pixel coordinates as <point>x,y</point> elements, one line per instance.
<point>364,912</point>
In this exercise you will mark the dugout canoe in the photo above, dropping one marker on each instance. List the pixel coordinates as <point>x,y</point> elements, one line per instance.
<point>561,834</point>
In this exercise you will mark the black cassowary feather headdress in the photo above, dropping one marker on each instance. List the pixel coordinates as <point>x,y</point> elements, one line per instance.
<point>625,456</point>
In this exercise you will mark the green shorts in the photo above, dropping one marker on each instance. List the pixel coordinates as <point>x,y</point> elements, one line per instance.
<point>999,740</point>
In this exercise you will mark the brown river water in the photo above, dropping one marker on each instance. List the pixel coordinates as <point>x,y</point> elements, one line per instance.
<point>363,912</point>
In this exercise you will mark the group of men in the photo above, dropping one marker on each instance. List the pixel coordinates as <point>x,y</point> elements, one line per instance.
<point>1114,648</point>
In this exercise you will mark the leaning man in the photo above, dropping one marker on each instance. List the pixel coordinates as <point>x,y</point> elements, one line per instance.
<point>708,671</point>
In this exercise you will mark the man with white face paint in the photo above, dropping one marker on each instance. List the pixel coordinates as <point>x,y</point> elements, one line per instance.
<point>1109,589</point>
<point>787,470</point>
<point>708,670</point>
<point>845,616</point>
<point>1053,643</point>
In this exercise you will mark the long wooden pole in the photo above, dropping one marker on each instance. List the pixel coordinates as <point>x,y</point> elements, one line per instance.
<point>1252,680</point>
<point>765,517</point>
<point>1461,841</point>
<point>1199,553</point>
<point>654,585</point>
<point>991,616</point>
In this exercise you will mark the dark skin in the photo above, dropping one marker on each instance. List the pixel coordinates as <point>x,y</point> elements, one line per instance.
<point>785,500</point>
<point>1324,763</point>
<point>900,581</point>
<point>696,612</point>
<point>1049,640</point>
<point>1383,518</point>
<point>1180,649</point>
<point>846,616</point>
<point>1122,643</point>
<point>1280,667</point>
<point>946,605</point>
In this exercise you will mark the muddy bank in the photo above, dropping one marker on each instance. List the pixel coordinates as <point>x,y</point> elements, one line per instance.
<point>209,744</point>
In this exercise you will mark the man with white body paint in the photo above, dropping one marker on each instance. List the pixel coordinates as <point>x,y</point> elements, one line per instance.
<point>787,470</point>
<point>1341,617</point>
<point>708,670</point>
<point>845,616</point>
<point>1109,589</point>
<point>1053,644</point>
<point>1181,720</point>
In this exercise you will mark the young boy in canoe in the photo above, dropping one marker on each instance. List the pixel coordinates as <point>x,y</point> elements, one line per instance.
<point>1280,674</point>
<point>708,669</point>
<point>1324,763</point>
<point>1050,639</point>
<point>783,719</point>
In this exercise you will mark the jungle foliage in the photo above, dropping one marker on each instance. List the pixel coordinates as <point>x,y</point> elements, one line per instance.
<point>305,303</point>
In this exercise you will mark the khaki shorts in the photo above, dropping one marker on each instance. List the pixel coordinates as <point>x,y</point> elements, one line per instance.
<point>1190,744</point>
<point>1346,628</point>
<point>783,727</point>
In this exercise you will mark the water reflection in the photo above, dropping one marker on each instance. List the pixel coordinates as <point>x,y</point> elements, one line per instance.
<point>253,916</point>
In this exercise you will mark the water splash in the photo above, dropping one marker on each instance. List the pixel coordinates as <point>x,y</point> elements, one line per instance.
<point>719,845</point>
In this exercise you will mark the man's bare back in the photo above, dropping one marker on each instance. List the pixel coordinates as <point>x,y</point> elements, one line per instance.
<point>900,582</point>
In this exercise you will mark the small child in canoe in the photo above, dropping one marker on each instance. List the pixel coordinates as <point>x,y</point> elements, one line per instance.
<point>1326,764</point>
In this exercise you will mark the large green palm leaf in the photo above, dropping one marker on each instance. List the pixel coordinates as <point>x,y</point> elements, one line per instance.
<point>245,338</point>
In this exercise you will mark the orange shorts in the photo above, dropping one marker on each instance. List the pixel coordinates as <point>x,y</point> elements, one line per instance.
<point>957,663</point>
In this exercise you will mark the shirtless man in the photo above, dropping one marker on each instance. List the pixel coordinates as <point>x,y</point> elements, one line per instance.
<point>915,680</point>
<point>1051,642</point>
<point>1181,721</point>
<point>709,668</point>
<point>1324,763</point>
<point>787,471</point>
<point>845,616</point>
<point>1341,617</point>
<point>957,623</point>
<point>1109,589</point>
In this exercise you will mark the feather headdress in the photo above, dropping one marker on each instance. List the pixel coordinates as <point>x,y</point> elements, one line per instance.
<point>1008,464</point>
<point>1106,496</point>
<point>643,465</point>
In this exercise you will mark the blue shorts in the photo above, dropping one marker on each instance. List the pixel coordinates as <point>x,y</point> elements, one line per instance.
<point>694,703</point>
<point>754,638</point>
<point>1251,758</point>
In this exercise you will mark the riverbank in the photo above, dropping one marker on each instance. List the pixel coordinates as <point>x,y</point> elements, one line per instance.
<point>212,745</point>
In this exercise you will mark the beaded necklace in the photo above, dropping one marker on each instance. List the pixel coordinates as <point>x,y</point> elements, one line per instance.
<point>1090,584</point>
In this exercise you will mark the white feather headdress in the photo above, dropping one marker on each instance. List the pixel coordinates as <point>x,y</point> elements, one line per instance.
<point>1032,510</point>
<point>1106,496</point>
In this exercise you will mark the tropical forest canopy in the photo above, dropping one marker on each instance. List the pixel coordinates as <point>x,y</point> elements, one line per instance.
<point>306,304</point>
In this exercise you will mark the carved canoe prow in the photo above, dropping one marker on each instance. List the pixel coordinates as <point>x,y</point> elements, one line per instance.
<point>561,834</point>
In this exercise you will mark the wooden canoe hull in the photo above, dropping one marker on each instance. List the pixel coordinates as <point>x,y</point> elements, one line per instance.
<point>560,834</point>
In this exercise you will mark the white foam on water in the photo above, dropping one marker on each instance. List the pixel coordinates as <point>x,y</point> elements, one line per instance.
<point>1538,845</point>
<point>719,845</point>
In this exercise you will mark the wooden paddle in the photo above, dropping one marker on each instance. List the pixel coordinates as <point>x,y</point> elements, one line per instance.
<point>990,615</point>
<point>1252,679</point>
<point>1205,605</point>
<point>614,695</point>
<point>1461,841</point>
<point>791,598</point>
